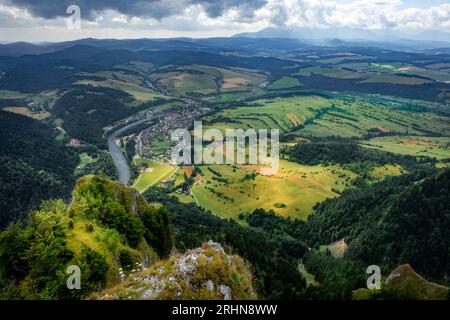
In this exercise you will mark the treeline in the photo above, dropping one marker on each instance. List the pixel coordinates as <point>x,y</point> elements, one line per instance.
<point>270,222</point>
<point>274,257</point>
<point>34,166</point>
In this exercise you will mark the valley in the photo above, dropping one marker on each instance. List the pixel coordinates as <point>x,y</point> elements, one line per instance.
<point>364,157</point>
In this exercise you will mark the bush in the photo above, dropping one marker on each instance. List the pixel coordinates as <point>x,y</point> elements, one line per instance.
<point>126,259</point>
<point>97,268</point>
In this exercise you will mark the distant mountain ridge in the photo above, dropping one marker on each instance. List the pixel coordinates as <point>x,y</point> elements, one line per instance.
<point>268,39</point>
<point>346,33</point>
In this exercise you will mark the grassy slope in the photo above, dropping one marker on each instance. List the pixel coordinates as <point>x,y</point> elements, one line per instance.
<point>297,187</point>
<point>283,83</point>
<point>405,283</point>
<point>434,147</point>
<point>348,118</point>
<point>159,172</point>
<point>280,113</point>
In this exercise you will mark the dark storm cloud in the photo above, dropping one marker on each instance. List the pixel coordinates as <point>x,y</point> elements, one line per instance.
<point>215,8</point>
<point>141,8</point>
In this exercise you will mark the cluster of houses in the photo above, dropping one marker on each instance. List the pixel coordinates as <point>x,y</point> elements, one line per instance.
<point>179,118</point>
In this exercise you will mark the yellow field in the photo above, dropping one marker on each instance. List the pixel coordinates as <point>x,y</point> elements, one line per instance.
<point>292,192</point>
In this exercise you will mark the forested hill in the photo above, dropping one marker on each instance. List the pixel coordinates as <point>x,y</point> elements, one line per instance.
<point>400,220</point>
<point>85,110</point>
<point>33,166</point>
<point>119,241</point>
<point>106,226</point>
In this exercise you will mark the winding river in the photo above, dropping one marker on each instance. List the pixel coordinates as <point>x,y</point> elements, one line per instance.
<point>121,162</point>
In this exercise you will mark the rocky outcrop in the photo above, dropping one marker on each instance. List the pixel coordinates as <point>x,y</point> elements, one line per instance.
<point>202,273</point>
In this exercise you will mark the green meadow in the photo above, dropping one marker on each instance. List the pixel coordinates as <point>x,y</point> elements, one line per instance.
<point>433,147</point>
<point>152,173</point>
<point>283,83</point>
<point>291,192</point>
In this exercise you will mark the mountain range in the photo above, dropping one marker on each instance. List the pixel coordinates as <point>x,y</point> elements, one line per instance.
<point>346,33</point>
<point>268,39</point>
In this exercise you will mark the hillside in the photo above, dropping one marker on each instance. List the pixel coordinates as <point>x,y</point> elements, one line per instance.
<point>400,220</point>
<point>110,232</point>
<point>363,176</point>
<point>107,226</point>
<point>404,283</point>
<point>85,110</point>
<point>276,273</point>
<point>33,166</point>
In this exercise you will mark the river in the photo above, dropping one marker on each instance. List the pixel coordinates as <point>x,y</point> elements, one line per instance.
<point>120,161</point>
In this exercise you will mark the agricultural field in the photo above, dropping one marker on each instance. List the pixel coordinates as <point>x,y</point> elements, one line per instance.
<point>183,198</point>
<point>183,83</point>
<point>27,112</point>
<point>319,116</point>
<point>356,118</point>
<point>433,147</point>
<point>208,80</point>
<point>292,192</point>
<point>30,105</point>
<point>131,84</point>
<point>152,173</point>
<point>276,113</point>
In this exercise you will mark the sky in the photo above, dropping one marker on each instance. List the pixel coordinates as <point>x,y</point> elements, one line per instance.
<point>46,20</point>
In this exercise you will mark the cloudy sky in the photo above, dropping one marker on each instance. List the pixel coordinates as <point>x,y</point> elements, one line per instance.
<point>46,20</point>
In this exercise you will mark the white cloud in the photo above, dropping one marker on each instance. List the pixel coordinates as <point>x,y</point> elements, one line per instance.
<point>194,20</point>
